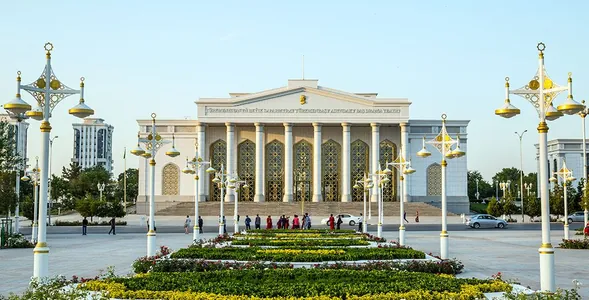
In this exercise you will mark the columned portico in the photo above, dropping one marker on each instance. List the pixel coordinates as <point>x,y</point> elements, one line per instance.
<point>374,156</point>
<point>404,147</point>
<point>288,162</point>
<point>259,196</point>
<point>230,193</point>
<point>201,138</point>
<point>317,162</point>
<point>346,185</point>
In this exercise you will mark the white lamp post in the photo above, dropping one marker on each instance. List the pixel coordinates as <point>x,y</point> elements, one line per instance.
<point>540,92</point>
<point>567,176</point>
<point>222,179</point>
<point>528,186</point>
<point>153,143</point>
<point>34,176</point>
<point>380,179</point>
<point>366,185</point>
<point>50,195</point>
<point>443,143</point>
<point>100,187</point>
<point>193,167</point>
<point>48,91</point>
<point>583,113</point>
<point>521,174</point>
<point>237,185</point>
<point>404,168</point>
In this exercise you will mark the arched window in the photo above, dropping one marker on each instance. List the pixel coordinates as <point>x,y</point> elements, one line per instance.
<point>359,166</point>
<point>218,158</point>
<point>274,170</point>
<point>303,161</point>
<point>246,169</point>
<point>388,153</point>
<point>170,179</point>
<point>434,180</point>
<point>330,170</point>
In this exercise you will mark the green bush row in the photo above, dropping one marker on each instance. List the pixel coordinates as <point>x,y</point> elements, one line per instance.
<point>79,223</point>
<point>301,242</point>
<point>575,244</point>
<point>272,231</point>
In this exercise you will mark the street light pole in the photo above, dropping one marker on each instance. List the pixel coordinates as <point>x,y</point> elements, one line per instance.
<point>583,114</point>
<point>222,179</point>
<point>380,179</point>
<point>193,167</point>
<point>33,175</point>
<point>404,168</point>
<point>540,92</point>
<point>365,185</point>
<point>50,177</point>
<point>236,184</point>
<point>567,176</point>
<point>521,174</point>
<point>21,165</point>
<point>100,187</point>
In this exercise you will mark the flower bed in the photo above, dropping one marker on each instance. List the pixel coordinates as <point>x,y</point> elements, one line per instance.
<point>299,242</point>
<point>575,244</point>
<point>301,231</point>
<point>288,283</point>
<point>298,254</point>
<point>79,223</point>
<point>17,240</point>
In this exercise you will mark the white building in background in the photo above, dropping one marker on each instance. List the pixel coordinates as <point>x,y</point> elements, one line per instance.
<point>303,141</point>
<point>21,137</point>
<point>570,150</point>
<point>93,144</point>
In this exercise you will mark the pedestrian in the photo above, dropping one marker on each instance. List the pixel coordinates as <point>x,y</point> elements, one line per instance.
<point>200,223</point>
<point>257,222</point>
<point>331,222</point>
<point>304,222</point>
<point>248,222</point>
<point>360,223</point>
<point>308,222</point>
<point>268,223</point>
<point>84,226</point>
<point>224,225</point>
<point>405,216</point>
<point>286,224</point>
<point>112,226</point>
<point>279,223</point>
<point>295,222</point>
<point>187,224</point>
<point>339,221</point>
<point>417,216</point>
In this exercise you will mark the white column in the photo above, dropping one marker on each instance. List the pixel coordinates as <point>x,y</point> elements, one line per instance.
<point>346,197</point>
<point>259,196</point>
<point>288,163</point>
<point>230,193</point>
<point>317,162</point>
<point>404,152</point>
<point>202,146</point>
<point>375,156</point>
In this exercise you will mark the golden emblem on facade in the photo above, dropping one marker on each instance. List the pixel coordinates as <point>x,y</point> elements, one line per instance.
<point>303,99</point>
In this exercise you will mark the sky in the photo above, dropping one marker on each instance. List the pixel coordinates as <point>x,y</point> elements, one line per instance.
<point>451,57</point>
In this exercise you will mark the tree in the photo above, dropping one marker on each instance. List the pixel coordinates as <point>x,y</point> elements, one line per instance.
<point>87,181</point>
<point>9,161</point>
<point>60,191</point>
<point>485,189</point>
<point>132,185</point>
<point>533,208</point>
<point>508,206</point>
<point>71,173</point>
<point>511,174</point>
<point>494,208</point>
<point>89,206</point>
<point>27,207</point>
<point>557,200</point>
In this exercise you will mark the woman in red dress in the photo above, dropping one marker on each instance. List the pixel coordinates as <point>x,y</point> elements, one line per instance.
<point>268,222</point>
<point>331,223</point>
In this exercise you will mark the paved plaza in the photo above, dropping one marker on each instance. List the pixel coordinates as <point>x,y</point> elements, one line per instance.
<point>483,252</point>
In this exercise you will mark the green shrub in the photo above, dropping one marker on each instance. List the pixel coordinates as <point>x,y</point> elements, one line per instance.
<point>79,223</point>
<point>18,241</point>
<point>300,242</point>
<point>54,288</point>
<point>575,244</point>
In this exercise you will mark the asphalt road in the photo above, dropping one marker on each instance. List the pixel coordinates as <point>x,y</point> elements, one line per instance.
<point>371,228</point>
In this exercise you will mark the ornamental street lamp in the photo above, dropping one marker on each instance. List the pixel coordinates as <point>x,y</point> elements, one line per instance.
<point>193,167</point>
<point>34,176</point>
<point>100,187</point>
<point>567,176</point>
<point>443,143</point>
<point>528,187</point>
<point>540,92</point>
<point>48,91</point>
<point>521,174</point>
<point>222,179</point>
<point>153,143</point>
<point>477,194</point>
<point>236,184</point>
<point>583,113</point>
<point>50,176</point>
<point>380,179</point>
<point>366,185</point>
<point>404,168</point>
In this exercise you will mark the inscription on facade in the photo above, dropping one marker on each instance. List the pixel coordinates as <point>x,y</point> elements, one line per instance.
<point>209,111</point>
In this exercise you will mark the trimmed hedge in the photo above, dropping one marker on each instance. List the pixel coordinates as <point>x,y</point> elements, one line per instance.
<point>300,242</point>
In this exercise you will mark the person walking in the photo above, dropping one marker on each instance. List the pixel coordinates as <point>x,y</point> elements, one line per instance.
<point>405,216</point>
<point>339,222</point>
<point>248,222</point>
<point>360,223</point>
<point>417,216</point>
<point>257,222</point>
<point>331,222</point>
<point>295,222</point>
<point>224,225</point>
<point>308,221</point>
<point>200,223</point>
<point>268,223</point>
<point>187,224</point>
<point>84,226</point>
<point>304,222</point>
<point>112,226</point>
<point>286,224</point>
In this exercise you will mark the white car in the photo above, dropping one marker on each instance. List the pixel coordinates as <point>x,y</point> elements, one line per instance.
<point>575,217</point>
<point>346,218</point>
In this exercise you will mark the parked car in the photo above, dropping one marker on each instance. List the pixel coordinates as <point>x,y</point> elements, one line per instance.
<point>347,218</point>
<point>578,216</point>
<point>485,221</point>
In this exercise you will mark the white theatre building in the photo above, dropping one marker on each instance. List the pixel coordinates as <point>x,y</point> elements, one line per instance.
<point>303,142</point>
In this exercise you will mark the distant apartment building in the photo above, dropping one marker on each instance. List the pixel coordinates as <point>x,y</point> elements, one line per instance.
<point>93,144</point>
<point>21,136</point>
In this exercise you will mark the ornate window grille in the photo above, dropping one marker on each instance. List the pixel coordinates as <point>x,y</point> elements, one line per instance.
<point>218,157</point>
<point>170,179</point>
<point>330,170</point>
<point>359,166</point>
<point>303,159</point>
<point>246,168</point>
<point>274,170</point>
<point>388,152</point>
<point>434,180</point>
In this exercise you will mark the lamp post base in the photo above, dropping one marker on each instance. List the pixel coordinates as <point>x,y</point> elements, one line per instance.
<point>236,227</point>
<point>444,245</point>
<point>566,231</point>
<point>221,227</point>
<point>379,230</point>
<point>195,232</point>
<point>364,227</point>
<point>401,235</point>
<point>151,243</point>
<point>41,261</point>
<point>547,268</point>
<point>34,234</point>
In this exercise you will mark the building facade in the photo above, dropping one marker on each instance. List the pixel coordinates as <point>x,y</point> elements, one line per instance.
<point>569,150</point>
<point>21,136</point>
<point>303,142</point>
<point>93,144</point>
